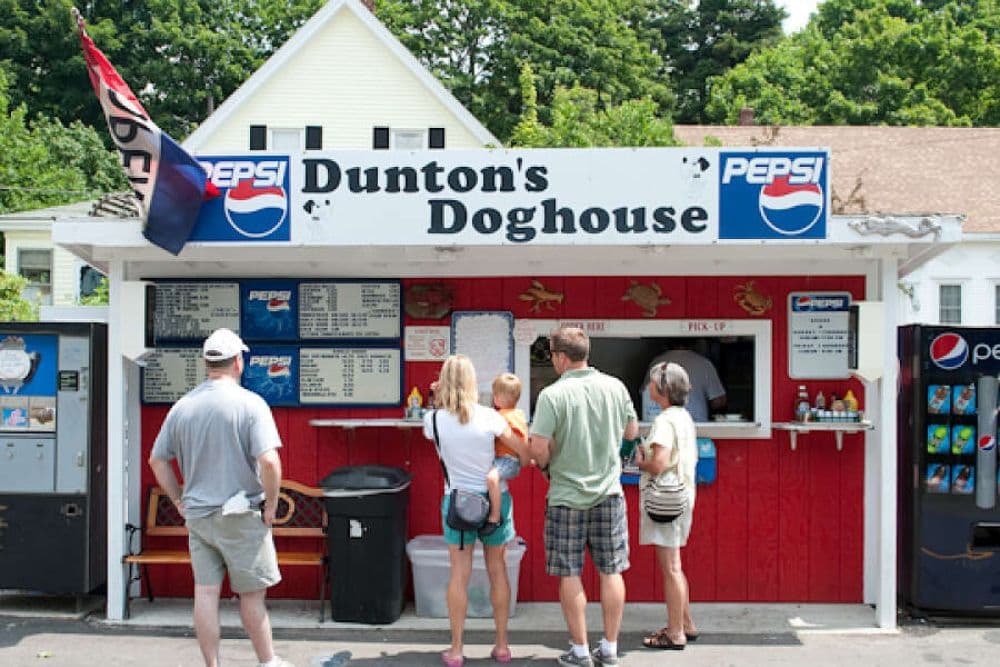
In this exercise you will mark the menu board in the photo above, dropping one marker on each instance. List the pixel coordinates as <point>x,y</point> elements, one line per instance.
<point>354,376</point>
<point>345,310</point>
<point>191,311</point>
<point>486,338</point>
<point>171,372</point>
<point>818,333</point>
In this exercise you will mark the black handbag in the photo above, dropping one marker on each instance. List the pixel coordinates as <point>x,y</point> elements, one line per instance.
<point>467,510</point>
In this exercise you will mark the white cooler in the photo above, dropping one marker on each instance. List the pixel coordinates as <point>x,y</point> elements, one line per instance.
<point>429,557</point>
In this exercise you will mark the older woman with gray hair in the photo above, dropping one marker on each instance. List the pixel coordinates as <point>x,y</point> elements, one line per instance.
<point>671,442</point>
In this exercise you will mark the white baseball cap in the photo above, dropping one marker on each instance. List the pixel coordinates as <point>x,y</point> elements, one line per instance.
<point>223,344</point>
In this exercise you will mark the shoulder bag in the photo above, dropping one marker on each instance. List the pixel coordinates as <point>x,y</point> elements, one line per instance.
<point>665,496</point>
<point>467,510</point>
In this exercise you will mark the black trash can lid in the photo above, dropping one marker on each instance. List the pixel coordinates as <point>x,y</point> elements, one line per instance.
<point>366,478</point>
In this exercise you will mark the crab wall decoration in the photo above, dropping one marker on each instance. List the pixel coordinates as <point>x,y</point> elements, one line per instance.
<point>648,297</point>
<point>749,299</point>
<point>537,295</point>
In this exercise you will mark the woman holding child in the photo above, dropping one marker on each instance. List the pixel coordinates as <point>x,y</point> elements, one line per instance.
<point>671,442</point>
<point>465,432</point>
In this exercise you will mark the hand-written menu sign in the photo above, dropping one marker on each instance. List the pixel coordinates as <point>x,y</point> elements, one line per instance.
<point>369,376</point>
<point>171,372</point>
<point>486,338</point>
<point>818,334</point>
<point>349,310</point>
<point>191,311</point>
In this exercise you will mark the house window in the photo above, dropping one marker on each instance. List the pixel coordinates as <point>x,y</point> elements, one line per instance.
<point>996,304</point>
<point>950,304</point>
<point>285,139</point>
<point>90,280</point>
<point>408,140</point>
<point>36,266</point>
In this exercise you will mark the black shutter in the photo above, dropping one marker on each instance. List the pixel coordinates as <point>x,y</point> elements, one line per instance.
<point>258,137</point>
<point>380,137</point>
<point>435,137</point>
<point>314,138</point>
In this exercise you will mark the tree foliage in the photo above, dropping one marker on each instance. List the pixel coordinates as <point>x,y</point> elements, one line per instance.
<point>181,57</point>
<point>14,307</point>
<point>45,163</point>
<point>579,122</point>
<point>867,62</point>
<point>477,48</point>
<point>707,38</point>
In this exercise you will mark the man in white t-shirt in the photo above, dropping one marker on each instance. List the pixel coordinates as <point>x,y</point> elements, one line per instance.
<point>707,391</point>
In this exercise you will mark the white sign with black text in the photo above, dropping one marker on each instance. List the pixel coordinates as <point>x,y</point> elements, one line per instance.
<point>818,334</point>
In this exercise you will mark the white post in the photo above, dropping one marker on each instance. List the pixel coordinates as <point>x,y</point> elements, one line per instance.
<point>117,489</point>
<point>885,609</point>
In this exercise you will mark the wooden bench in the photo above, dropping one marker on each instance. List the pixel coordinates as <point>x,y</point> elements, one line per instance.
<point>301,513</point>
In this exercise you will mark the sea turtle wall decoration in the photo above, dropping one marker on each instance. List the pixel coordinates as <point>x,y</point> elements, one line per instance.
<point>648,297</point>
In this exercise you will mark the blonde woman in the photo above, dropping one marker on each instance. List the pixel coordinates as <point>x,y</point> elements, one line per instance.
<point>672,441</point>
<point>466,433</point>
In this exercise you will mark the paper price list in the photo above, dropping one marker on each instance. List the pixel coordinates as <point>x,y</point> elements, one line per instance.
<point>341,375</point>
<point>349,310</point>
<point>191,311</point>
<point>170,373</point>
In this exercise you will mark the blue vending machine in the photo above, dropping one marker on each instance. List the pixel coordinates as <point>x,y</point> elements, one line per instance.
<point>949,518</point>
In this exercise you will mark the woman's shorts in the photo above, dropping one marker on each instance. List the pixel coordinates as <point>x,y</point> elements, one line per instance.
<point>504,534</point>
<point>603,528</point>
<point>674,534</point>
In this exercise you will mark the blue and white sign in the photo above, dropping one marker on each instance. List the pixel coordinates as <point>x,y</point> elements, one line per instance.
<point>273,372</point>
<point>773,195</point>
<point>270,310</point>
<point>255,201</point>
<point>818,333</point>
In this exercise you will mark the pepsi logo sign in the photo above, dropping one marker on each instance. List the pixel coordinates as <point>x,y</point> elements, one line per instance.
<point>277,366</point>
<point>949,351</point>
<point>276,300</point>
<point>255,200</point>
<point>987,443</point>
<point>787,193</point>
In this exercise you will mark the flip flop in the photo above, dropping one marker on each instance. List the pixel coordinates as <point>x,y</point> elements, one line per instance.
<point>692,636</point>
<point>452,662</point>
<point>501,656</point>
<point>660,640</point>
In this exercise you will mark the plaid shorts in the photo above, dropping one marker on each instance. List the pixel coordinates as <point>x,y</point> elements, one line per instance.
<point>603,528</point>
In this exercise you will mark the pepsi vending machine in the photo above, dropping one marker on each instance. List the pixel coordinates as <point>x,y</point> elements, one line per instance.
<point>949,527</point>
<point>53,440</point>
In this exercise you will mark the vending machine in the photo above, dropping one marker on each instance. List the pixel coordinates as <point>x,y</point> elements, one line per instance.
<point>53,435</point>
<point>949,517</point>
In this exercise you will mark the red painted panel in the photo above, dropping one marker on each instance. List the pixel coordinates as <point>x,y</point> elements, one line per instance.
<point>777,525</point>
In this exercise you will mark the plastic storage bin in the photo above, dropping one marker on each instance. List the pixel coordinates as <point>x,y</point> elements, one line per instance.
<point>366,508</point>
<point>429,559</point>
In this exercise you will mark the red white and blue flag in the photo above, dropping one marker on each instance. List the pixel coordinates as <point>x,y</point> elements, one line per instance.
<point>167,181</point>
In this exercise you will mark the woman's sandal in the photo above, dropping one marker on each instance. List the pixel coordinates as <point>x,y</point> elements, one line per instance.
<point>660,640</point>
<point>692,636</point>
<point>504,656</point>
<point>452,662</point>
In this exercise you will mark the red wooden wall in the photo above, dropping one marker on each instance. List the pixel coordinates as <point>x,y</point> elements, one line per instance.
<point>777,525</point>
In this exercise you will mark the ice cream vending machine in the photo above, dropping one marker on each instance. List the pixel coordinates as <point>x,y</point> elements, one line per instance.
<point>949,514</point>
<point>53,440</point>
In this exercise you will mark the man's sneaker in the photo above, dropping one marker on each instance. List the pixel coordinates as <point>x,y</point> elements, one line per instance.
<point>570,659</point>
<point>602,658</point>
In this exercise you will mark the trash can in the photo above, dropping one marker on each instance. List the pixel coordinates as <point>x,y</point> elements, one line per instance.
<point>366,509</point>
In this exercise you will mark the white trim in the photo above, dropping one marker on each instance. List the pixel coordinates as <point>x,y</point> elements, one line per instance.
<point>283,55</point>
<point>763,351</point>
<point>885,606</point>
<point>117,460</point>
<point>872,478</point>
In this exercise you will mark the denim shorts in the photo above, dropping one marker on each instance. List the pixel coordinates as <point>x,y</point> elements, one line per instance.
<point>504,534</point>
<point>602,528</point>
<point>509,467</point>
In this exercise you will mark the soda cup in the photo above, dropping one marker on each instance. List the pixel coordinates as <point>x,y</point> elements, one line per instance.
<point>963,440</point>
<point>937,439</point>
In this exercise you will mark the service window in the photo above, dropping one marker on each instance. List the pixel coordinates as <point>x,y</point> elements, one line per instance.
<point>739,351</point>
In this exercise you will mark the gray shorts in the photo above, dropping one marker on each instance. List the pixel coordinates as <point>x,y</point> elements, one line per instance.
<point>509,467</point>
<point>238,543</point>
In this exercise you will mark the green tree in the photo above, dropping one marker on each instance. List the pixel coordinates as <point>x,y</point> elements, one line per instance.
<point>869,62</point>
<point>579,122</point>
<point>181,57</point>
<point>44,163</point>
<point>707,38</point>
<point>14,307</point>
<point>477,47</point>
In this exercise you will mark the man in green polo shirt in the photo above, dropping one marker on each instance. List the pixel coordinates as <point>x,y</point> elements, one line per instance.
<point>576,431</point>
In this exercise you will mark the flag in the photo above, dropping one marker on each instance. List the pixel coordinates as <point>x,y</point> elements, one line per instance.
<point>167,181</point>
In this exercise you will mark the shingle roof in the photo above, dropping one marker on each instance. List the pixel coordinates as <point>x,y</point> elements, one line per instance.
<point>892,170</point>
